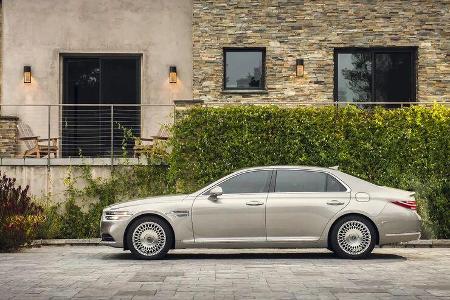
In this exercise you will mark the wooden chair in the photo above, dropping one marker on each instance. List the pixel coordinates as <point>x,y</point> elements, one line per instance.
<point>35,146</point>
<point>145,145</point>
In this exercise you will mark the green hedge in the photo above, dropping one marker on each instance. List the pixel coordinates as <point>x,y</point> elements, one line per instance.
<point>406,148</point>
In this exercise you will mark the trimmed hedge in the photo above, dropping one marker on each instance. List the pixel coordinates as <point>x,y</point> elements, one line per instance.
<point>407,148</point>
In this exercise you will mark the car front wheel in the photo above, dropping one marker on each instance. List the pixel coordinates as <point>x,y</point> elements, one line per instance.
<point>149,238</point>
<point>353,237</point>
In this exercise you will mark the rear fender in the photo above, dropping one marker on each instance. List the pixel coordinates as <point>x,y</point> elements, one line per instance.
<point>370,209</point>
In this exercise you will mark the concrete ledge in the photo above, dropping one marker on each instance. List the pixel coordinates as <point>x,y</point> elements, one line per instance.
<point>188,102</point>
<point>67,242</point>
<point>96,242</point>
<point>421,244</point>
<point>9,118</point>
<point>71,161</point>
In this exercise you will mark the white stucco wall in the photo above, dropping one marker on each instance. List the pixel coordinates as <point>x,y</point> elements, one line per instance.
<point>36,33</point>
<point>50,182</point>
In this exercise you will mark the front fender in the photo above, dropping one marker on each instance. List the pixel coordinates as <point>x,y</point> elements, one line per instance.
<point>178,218</point>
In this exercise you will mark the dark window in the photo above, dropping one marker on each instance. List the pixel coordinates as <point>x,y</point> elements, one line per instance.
<point>86,130</point>
<point>375,75</point>
<point>393,76</point>
<point>333,185</point>
<point>296,181</point>
<point>250,182</point>
<point>244,68</point>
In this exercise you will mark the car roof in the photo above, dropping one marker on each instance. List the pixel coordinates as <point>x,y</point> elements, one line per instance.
<point>289,167</point>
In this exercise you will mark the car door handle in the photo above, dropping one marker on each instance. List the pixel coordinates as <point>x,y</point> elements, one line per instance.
<point>254,203</point>
<point>335,202</point>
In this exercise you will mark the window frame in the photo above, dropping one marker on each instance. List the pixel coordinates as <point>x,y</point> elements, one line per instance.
<point>266,188</point>
<point>244,49</point>
<point>64,60</point>
<point>65,57</point>
<point>413,50</point>
<point>275,177</point>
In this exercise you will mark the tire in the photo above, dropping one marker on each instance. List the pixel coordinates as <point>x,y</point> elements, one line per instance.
<point>353,237</point>
<point>149,238</point>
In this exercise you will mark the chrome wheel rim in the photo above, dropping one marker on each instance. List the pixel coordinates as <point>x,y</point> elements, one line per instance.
<point>354,237</point>
<point>149,238</point>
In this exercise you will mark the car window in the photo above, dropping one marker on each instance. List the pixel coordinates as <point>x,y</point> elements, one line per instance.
<point>333,185</point>
<point>298,181</point>
<point>250,182</point>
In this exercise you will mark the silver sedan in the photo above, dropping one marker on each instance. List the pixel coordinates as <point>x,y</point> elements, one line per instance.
<point>267,207</point>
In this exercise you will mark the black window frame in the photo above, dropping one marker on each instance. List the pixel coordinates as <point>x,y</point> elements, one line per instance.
<point>100,56</point>
<point>65,59</point>
<point>413,50</point>
<point>244,49</point>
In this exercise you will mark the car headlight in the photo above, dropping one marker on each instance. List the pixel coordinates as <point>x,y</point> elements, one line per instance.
<point>112,215</point>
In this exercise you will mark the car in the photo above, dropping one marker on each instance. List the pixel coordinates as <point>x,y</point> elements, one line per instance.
<point>267,207</point>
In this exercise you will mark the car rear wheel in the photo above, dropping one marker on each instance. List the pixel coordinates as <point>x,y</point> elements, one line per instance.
<point>149,238</point>
<point>353,237</point>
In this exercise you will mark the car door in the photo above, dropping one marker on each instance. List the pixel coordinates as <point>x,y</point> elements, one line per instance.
<point>236,215</point>
<point>302,203</point>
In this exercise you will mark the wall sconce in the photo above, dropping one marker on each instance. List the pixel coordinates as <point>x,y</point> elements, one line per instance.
<point>172,74</point>
<point>300,68</point>
<point>27,74</point>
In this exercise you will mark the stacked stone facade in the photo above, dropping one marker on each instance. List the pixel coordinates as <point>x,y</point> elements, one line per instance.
<point>292,29</point>
<point>1,47</point>
<point>8,136</point>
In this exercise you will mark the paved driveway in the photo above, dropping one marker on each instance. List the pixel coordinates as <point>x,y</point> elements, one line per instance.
<point>104,273</point>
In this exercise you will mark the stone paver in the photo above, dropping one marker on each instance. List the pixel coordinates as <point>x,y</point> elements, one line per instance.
<point>105,273</point>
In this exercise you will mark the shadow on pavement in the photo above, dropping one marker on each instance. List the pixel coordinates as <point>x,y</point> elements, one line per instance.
<point>378,257</point>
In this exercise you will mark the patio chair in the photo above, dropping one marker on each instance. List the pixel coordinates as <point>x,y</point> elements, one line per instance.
<point>145,145</point>
<point>35,146</point>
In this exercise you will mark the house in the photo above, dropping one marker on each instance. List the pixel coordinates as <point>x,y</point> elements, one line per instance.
<point>78,69</point>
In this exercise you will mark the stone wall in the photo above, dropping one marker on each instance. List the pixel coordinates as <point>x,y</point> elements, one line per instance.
<point>291,29</point>
<point>8,136</point>
<point>1,47</point>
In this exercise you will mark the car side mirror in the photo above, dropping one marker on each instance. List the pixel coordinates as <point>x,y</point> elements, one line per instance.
<point>215,192</point>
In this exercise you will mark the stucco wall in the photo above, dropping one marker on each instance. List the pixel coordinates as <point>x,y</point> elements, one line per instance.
<point>311,30</point>
<point>36,33</point>
<point>45,181</point>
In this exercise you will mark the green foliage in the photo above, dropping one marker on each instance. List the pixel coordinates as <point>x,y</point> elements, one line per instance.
<point>87,196</point>
<point>50,228</point>
<point>19,217</point>
<point>404,148</point>
<point>436,211</point>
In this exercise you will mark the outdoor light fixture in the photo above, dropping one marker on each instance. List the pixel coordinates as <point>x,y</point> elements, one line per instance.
<point>27,74</point>
<point>300,68</point>
<point>173,74</point>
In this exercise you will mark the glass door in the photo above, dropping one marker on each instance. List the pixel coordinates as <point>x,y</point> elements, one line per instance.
<point>90,84</point>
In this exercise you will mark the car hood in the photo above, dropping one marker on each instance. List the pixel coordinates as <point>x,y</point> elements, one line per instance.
<point>150,200</point>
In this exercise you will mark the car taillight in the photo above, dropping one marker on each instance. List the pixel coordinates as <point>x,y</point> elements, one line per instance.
<point>411,204</point>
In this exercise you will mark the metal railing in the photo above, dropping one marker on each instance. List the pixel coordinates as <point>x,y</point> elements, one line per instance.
<point>86,131</point>
<point>108,132</point>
